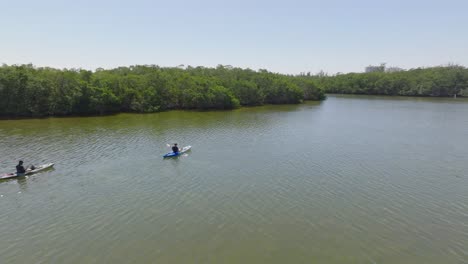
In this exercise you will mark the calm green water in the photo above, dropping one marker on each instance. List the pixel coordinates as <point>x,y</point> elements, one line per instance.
<point>349,180</point>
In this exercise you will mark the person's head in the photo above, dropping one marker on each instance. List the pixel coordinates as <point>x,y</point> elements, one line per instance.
<point>21,162</point>
<point>175,144</point>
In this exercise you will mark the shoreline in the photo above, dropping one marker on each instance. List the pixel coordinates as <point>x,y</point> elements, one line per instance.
<point>460,98</point>
<point>6,118</point>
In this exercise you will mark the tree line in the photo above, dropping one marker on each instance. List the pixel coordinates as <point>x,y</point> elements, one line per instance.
<point>31,91</point>
<point>440,81</point>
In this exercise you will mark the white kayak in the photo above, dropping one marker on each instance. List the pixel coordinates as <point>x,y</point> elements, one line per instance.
<point>175,154</point>
<point>28,172</point>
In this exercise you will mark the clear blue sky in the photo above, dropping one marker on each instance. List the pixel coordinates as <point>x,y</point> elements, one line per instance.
<point>281,36</point>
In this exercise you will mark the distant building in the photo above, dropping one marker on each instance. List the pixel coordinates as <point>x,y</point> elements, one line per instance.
<point>383,68</point>
<point>372,68</point>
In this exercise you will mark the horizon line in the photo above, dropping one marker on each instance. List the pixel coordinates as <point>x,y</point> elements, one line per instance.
<point>184,67</point>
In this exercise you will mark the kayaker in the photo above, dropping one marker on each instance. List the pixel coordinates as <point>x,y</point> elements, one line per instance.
<point>19,168</point>
<point>175,149</point>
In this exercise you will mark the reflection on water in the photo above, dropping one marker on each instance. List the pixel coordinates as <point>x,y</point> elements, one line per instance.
<point>22,183</point>
<point>353,179</point>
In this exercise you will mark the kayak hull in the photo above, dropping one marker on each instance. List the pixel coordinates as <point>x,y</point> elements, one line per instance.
<point>182,151</point>
<point>28,172</point>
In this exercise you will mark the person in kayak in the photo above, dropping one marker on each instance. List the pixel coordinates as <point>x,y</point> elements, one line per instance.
<point>175,149</point>
<point>19,168</point>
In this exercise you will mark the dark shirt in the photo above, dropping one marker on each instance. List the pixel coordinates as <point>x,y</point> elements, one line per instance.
<point>175,149</point>
<point>20,169</point>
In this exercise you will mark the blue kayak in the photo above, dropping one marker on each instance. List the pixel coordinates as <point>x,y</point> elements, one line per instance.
<point>175,154</point>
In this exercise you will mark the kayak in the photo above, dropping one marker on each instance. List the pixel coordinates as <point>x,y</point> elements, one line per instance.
<point>28,172</point>
<point>175,154</point>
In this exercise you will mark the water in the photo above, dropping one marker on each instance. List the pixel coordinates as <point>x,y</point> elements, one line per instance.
<point>349,180</point>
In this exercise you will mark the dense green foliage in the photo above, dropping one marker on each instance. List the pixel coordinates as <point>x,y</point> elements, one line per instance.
<point>26,90</point>
<point>437,81</point>
<point>29,91</point>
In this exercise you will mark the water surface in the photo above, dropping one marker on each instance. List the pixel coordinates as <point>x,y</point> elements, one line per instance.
<point>350,180</point>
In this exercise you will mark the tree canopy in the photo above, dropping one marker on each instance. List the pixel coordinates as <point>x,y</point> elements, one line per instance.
<point>28,91</point>
<point>436,81</point>
<point>31,91</point>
